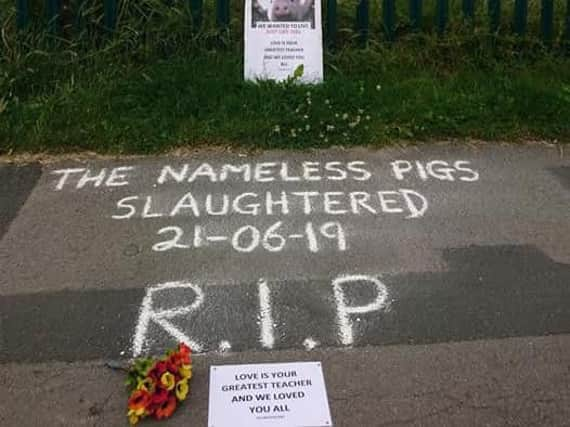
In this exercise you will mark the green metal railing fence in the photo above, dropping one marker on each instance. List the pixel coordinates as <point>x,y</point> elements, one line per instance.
<point>389,16</point>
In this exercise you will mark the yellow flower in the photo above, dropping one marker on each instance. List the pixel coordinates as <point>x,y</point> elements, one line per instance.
<point>185,371</point>
<point>182,389</point>
<point>168,381</point>
<point>139,412</point>
<point>133,417</point>
<point>147,384</point>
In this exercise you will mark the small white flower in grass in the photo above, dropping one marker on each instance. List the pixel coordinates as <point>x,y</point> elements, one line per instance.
<point>309,102</point>
<point>307,128</point>
<point>367,117</point>
<point>326,140</point>
<point>345,134</point>
<point>293,133</point>
<point>330,128</point>
<point>277,129</point>
<point>306,117</point>
<point>354,123</point>
<point>297,110</point>
<point>327,102</point>
<point>345,116</point>
<point>360,111</point>
<point>308,94</point>
<point>378,87</point>
<point>321,135</point>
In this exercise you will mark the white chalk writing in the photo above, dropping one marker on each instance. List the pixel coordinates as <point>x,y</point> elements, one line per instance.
<point>192,190</point>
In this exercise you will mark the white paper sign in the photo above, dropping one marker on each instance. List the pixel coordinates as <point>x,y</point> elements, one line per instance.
<point>271,394</point>
<point>281,35</point>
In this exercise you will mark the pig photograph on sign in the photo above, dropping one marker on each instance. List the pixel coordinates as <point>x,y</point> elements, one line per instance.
<point>283,37</point>
<point>283,11</point>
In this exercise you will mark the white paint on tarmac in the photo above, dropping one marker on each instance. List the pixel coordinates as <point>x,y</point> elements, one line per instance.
<point>310,343</point>
<point>224,347</point>
<point>148,314</point>
<point>345,311</point>
<point>267,337</point>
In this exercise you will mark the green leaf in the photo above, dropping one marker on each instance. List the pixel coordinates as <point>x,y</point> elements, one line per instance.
<point>298,73</point>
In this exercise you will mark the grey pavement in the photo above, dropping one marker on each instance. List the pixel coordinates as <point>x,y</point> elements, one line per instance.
<point>509,382</point>
<point>407,262</point>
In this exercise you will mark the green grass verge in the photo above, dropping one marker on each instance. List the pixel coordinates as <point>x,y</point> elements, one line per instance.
<point>202,99</point>
<point>150,93</point>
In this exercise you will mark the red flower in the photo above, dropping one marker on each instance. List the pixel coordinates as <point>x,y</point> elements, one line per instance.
<point>176,359</point>
<point>185,353</point>
<point>157,370</point>
<point>171,367</point>
<point>160,396</point>
<point>139,400</point>
<point>183,348</point>
<point>166,409</point>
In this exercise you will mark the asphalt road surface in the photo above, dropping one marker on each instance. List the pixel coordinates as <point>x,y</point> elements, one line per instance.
<point>433,283</point>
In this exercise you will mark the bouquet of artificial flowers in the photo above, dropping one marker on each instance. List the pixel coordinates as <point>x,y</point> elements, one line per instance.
<point>158,385</point>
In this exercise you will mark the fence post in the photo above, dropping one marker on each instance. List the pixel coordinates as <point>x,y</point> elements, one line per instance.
<point>362,21</point>
<point>546,21</point>
<point>223,14</point>
<point>331,23</point>
<point>110,15</point>
<point>521,15</point>
<point>468,7</point>
<point>52,11</point>
<point>567,29</point>
<point>79,21</point>
<point>23,14</point>
<point>389,14</point>
<point>416,14</point>
<point>494,15</point>
<point>442,10</point>
<point>196,9</point>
